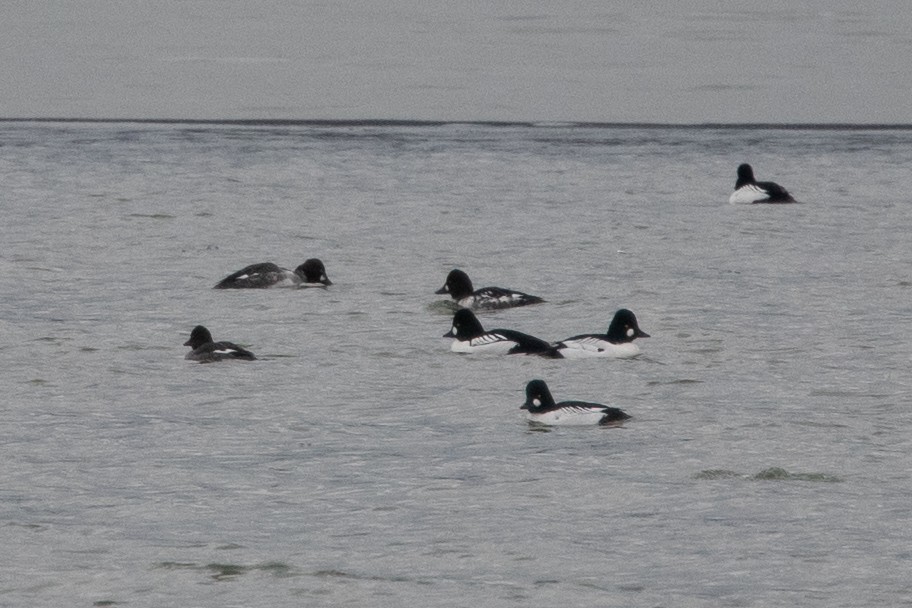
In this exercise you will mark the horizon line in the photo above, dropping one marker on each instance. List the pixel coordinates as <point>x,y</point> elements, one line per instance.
<point>393,122</point>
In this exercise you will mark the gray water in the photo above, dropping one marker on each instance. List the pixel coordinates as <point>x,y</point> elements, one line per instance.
<point>359,462</point>
<point>681,61</point>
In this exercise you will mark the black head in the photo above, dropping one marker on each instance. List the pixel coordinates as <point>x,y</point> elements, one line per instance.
<point>313,271</point>
<point>458,284</point>
<point>465,325</point>
<point>624,327</point>
<point>745,175</point>
<point>537,396</point>
<point>199,336</point>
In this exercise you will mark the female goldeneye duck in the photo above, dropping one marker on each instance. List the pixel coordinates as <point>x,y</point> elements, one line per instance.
<point>542,409</point>
<point>748,190</point>
<point>617,343</point>
<point>204,350</point>
<point>470,337</point>
<point>459,286</point>
<point>311,273</point>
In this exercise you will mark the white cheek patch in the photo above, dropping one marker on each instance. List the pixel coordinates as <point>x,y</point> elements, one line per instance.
<point>455,331</point>
<point>630,332</point>
<point>536,402</point>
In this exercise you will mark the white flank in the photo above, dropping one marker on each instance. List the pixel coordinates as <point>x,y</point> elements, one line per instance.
<point>285,278</point>
<point>745,195</point>
<point>493,344</point>
<point>491,299</point>
<point>588,348</point>
<point>287,281</point>
<point>569,416</point>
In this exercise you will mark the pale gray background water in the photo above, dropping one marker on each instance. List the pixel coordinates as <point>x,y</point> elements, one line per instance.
<point>359,462</point>
<point>774,61</point>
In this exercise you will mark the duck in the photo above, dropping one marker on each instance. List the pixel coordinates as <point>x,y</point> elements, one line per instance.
<point>312,273</point>
<point>748,190</point>
<point>470,337</point>
<point>459,286</point>
<point>542,409</point>
<point>204,350</point>
<point>616,343</point>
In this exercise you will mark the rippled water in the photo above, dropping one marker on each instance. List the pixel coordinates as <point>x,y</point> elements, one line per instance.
<point>359,462</point>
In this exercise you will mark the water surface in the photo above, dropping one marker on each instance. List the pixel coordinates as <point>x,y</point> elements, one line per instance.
<point>359,461</point>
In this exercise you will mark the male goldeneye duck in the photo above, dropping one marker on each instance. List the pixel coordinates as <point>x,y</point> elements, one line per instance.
<point>459,286</point>
<point>542,409</point>
<point>311,273</point>
<point>748,190</point>
<point>470,337</point>
<point>204,350</point>
<point>616,343</point>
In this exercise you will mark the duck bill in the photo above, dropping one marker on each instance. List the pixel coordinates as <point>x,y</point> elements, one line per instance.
<point>442,290</point>
<point>449,334</point>
<point>641,334</point>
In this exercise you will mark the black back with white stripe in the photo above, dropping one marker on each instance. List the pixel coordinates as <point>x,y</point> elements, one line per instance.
<point>205,350</point>
<point>622,329</point>
<point>459,286</point>
<point>467,328</point>
<point>540,404</point>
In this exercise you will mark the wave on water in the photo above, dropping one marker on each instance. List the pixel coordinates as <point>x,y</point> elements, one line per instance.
<point>770,474</point>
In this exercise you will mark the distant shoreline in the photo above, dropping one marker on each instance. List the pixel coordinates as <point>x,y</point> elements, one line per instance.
<point>381,122</point>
